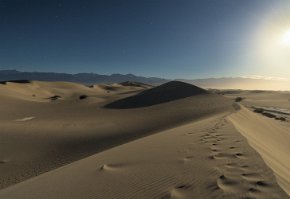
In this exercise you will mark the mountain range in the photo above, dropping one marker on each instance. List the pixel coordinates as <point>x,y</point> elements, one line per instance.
<point>93,78</point>
<point>84,78</point>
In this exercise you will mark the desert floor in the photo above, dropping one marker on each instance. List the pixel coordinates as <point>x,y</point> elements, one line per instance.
<point>59,140</point>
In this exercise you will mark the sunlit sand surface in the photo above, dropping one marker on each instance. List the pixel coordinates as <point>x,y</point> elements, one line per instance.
<point>69,142</point>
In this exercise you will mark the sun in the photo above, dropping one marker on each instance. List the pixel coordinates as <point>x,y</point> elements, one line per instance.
<point>286,38</point>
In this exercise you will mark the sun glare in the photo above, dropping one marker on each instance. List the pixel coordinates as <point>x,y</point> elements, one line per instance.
<point>286,38</point>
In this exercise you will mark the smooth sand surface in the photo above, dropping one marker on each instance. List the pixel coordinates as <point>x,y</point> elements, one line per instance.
<point>193,147</point>
<point>203,159</point>
<point>270,138</point>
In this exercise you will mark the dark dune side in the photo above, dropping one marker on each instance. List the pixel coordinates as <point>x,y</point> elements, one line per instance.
<point>164,93</point>
<point>24,81</point>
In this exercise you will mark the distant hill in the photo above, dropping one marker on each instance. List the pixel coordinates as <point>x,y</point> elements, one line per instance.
<point>164,93</point>
<point>85,78</point>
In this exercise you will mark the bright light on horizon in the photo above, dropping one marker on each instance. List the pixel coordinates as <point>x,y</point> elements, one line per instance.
<point>286,39</point>
<point>270,44</point>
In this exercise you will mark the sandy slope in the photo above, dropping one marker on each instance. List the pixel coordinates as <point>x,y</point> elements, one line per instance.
<point>204,159</point>
<point>195,147</point>
<point>39,133</point>
<point>164,93</point>
<point>270,138</point>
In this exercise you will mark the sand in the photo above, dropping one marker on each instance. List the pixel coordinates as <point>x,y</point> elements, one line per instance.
<point>270,139</point>
<point>203,159</point>
<point>67,129</point>
<point>164,93</point>
<point>193,147</point>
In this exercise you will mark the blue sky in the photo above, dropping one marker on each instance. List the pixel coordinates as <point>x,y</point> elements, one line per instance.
<point>164,38</point>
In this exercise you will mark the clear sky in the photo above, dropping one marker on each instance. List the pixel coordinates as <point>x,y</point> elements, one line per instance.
<point>164,38</point>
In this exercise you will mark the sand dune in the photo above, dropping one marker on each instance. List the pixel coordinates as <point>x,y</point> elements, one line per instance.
<point>166,92</point>
<point>50,91</point>
<point>180,141</point>
<point>68,129</point>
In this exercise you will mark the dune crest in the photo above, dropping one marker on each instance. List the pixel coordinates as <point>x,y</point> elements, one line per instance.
<point>270,139</point>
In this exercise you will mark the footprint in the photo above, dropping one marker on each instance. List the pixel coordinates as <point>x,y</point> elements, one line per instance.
<point>213,187</point>
<point>231,165</point>
<point>183,186</point>
<point>211,157</point>
<point>254,190</point>
<point>223,156</point>
<point>245,166</point>
<point>187,159</point>
<point>227,184</point>
<point>3,161</point>
<point>235,171</point>
<point>262,184</point>
<point>180,191</point>
<point>250,176</point>
<point>239,155</point>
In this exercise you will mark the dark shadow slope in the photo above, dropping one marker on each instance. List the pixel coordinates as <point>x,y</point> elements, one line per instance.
<point>16,81</point>
<point>164,93</point>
